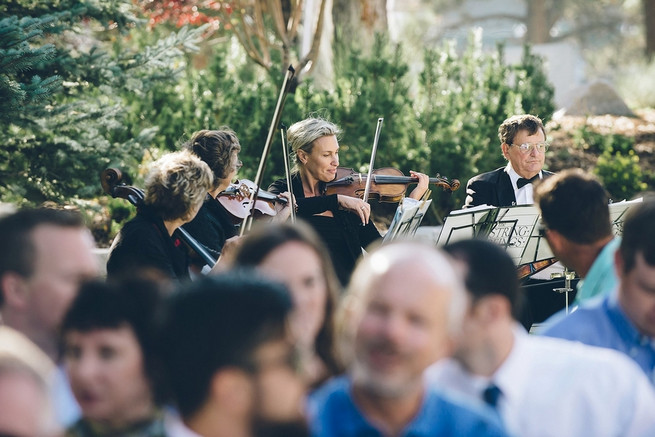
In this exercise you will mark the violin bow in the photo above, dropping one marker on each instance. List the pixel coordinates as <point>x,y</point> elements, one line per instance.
<point>247,221</point>
<point>374,151</point>
<point>287,170</point>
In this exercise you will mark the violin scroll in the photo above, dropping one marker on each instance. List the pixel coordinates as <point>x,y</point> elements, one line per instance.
<point>447,185</point>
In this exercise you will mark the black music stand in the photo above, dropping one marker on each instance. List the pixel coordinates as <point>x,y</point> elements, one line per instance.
<point>409,215</point>
<point>516,228</point>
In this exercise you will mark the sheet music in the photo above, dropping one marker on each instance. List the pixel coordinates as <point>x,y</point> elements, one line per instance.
<point>514,227</point>
<point>406,220</point>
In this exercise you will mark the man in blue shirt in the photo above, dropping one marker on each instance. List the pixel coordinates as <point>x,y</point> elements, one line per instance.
<point>574,209</point>
<point>624,320</point>
<point>404,305</point>
<point>523,375</point>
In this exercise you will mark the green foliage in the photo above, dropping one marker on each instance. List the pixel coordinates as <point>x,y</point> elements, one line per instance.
<point>464,98</point>
<point>617,165</point>
<point>66,73</point>
<point>445,123</point>
<point>620,173</point>
<point>588,139</point>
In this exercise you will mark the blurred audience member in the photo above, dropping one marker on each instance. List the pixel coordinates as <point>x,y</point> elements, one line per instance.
<point>625,319</point>
<point>25,381</point>
<point>47,253</point>
<point>575,214</point>
<point>230,360</point>
<point>539,386</point>
<point>405,304</point>
<point>175,188</point>
<point>109,347</point>
<point>294,255</point>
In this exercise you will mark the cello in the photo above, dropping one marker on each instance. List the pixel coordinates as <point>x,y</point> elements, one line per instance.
<point>112,183</point>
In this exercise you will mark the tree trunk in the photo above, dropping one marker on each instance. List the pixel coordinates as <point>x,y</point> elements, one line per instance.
<point>322,70</point>
<point>649,25</point>
<point>357,21</point>
<point>538,29</point>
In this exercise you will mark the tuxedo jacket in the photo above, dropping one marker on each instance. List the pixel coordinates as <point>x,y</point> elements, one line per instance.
<point>493,188</point>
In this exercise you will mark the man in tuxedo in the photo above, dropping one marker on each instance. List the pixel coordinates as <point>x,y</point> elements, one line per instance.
<point>523,143</point>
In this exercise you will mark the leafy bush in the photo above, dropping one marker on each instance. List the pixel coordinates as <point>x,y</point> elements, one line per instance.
<point>586,138</point>
<point>620,173</point>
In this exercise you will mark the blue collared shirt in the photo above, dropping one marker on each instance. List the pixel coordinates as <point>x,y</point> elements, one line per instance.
<point>603,323</point>
<point>601,278</point>
<point>332,412</point>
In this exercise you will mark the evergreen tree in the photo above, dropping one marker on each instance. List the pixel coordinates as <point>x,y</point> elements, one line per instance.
<point>67,72</point>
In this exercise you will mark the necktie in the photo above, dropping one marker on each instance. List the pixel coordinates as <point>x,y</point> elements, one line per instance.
<point>523,181</point>
<point>491,395</point>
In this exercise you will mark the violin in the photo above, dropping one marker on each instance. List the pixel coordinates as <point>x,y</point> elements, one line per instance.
<point>236,200</point>
<point>388,184</point>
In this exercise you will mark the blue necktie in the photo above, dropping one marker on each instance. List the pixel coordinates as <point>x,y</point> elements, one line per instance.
<point>491,395</point>
<point>522,182</point>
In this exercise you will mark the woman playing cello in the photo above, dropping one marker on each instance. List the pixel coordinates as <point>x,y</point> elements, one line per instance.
<point>341,221</point>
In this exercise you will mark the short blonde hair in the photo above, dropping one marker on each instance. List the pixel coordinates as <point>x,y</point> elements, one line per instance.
<point>301,135</point>
<point>176,184</point>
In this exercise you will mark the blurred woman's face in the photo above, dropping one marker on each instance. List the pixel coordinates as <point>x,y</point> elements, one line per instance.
<point>106,373</point>
<point>299,267</point>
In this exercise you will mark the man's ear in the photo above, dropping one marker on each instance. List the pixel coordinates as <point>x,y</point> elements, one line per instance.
<point>556,241</point>
<point>14,290</point>
<point>505,148</point>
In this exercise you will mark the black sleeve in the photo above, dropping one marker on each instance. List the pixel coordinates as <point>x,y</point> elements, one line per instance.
<point>477,192</point>
<point>368,234</point>
<point>307,206</point>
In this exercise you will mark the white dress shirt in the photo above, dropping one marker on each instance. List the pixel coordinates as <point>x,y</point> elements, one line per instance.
<point>174,426</point>
<point>525,194</point>
<point>553,387</point>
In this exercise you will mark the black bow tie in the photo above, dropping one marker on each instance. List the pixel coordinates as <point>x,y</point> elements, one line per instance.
<point>522,182</point>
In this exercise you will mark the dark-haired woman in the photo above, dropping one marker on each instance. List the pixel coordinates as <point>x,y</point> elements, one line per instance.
<point>214,225</point>
<point>109,355</point>
<point>294,255</point>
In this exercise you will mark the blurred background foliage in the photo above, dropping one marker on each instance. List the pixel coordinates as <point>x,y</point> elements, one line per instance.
<point>88,84</point>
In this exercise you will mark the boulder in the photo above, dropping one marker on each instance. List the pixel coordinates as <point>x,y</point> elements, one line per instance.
<point>597,98</point>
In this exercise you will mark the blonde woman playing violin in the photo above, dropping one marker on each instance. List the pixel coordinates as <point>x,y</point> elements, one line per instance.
<point>343,222</point>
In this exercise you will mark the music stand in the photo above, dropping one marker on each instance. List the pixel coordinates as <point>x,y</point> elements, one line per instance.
<point>514,227</point>
<point>406,220</point>
<point>618,211</point>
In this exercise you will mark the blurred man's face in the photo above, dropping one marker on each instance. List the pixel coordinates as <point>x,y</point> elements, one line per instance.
<point>637,293</point>
<point>64,258</point>
<point>279,391</point>
<point>528,164</point>
<point>403,328</point>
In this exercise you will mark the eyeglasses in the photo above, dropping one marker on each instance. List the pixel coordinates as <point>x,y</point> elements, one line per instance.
<point>526,148</point>
<point>238,164</point>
